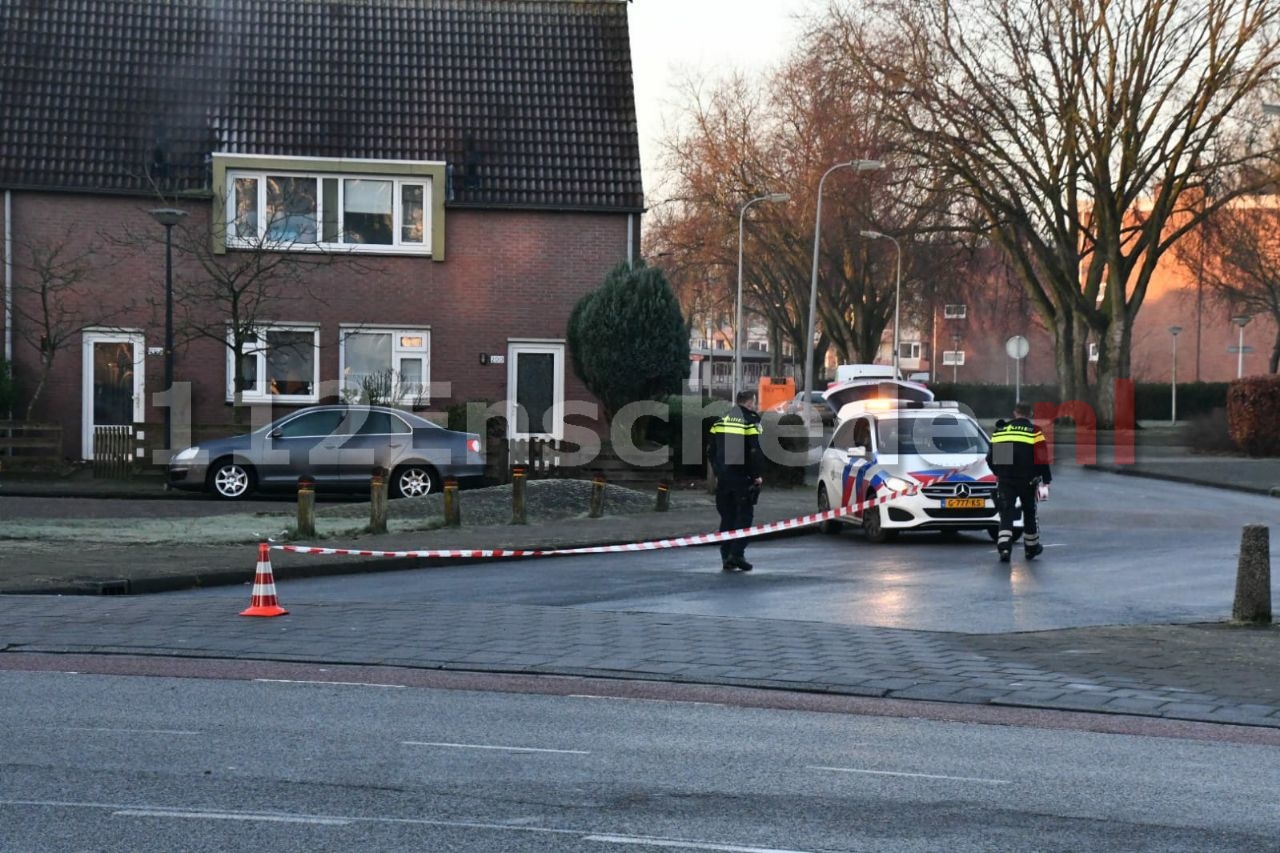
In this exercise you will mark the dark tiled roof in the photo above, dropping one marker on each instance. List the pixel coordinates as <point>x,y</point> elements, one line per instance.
<point>529,101</point>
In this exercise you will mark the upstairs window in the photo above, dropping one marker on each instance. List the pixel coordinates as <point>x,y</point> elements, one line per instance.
<point>294,211</point>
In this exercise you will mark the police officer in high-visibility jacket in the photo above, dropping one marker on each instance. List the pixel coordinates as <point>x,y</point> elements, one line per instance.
<point>738,462</point>
<point>1019,457</point>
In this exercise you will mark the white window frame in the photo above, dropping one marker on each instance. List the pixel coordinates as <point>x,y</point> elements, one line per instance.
<point>399,350</point>
<point>260,353</point>
<point>954,311</point>
<point>259,240</point>
<point>953,358</point>
<point>912,353</point>
<point>1093,350</point>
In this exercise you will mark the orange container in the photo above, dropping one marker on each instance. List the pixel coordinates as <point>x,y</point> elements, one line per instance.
<point>774,390</point>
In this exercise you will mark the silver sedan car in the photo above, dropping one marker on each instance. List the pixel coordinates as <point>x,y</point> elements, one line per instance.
<point>337,447</point>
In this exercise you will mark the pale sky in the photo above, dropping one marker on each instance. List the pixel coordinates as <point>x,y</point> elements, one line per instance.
<point>712,37</point>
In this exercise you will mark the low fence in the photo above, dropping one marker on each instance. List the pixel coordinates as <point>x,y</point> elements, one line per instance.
<point>28,446</point>
<point>546,458</point>
<point>115,452</point>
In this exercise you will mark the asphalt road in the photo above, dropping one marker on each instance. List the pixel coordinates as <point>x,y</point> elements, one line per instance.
<point>289,764</point>
<point>1119,551</point>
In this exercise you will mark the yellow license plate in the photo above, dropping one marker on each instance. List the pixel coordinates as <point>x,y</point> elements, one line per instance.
<point>964,503</point>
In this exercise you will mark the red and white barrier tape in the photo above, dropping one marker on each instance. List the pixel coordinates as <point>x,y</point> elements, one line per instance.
<point>653,545</point>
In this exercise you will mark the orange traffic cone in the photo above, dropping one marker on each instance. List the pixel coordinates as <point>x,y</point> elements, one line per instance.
<point>263,602</point>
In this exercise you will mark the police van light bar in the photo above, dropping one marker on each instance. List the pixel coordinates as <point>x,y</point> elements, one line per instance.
<point>882,404</point>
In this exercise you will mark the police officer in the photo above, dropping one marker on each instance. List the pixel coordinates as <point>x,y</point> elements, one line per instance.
<point>1019,458</point>
<point>738,463</point>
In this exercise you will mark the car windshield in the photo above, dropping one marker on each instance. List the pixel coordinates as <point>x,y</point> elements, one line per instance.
<point>936,434</point>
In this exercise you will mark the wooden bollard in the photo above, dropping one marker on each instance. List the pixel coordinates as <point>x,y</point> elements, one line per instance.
<point>664,498</point>
<point>517,494</point>
<point>1253,576</point>
<point>452,510</point>
<point>306,507</point>
<point>378,501</point>
<point>597,496</point>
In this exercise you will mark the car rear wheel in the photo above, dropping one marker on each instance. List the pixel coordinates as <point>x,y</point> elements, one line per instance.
<point>873,524</point>
<point>831,527</point>
<point>231,480</point>
<point>413,481</point>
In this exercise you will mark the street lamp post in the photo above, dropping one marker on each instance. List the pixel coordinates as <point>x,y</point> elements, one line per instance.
<point>168,217</point>
<point>857,166</point>
<point>737,322</point>
<point>1241,320</point>
<point>1173,384</point>
<point>897,296</point>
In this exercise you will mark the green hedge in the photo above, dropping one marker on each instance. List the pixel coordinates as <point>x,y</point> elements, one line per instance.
<point>671,431</point>
<point>1151,399</point>
<point>1253,411</point>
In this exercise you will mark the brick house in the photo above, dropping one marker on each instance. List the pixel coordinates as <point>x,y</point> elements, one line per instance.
<point>441,180</point>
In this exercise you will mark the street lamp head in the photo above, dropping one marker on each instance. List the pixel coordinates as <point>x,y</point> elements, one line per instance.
<point>168,216</point>
<point>865,165</point>
<point>1174,330</point>
<point>778,197</point>
<point>872,234</point>
<point>1242,320</point>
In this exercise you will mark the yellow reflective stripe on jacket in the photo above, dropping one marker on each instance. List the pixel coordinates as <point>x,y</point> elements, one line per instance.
<point>1017,435</point>
<point>734,428</point>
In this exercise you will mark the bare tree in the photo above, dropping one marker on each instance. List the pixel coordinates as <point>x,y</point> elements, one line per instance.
<point>229,296</point>
<point>57,297</point>
<point>739,141</point>
<point>1241,253</point>
<point>1088,135</point>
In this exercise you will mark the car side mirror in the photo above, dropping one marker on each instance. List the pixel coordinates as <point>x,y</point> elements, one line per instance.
<point>277,433</point>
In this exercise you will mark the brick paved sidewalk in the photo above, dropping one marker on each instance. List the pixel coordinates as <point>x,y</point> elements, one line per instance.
<point>1197,672</point>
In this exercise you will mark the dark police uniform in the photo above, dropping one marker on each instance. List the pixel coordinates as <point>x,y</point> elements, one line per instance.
<point>738,461</point>
<point>1019,459</point>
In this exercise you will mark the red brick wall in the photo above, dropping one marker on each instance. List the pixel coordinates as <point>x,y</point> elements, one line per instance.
<point>507,274</point>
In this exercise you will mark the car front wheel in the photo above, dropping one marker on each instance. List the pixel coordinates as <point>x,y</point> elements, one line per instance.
<point>831,526</point>
<point>413,481</point>
<point>231,480</point>
<point>873,524</point>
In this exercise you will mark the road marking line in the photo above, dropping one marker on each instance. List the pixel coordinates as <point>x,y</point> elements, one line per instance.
<point>491,746</point>
<point>913,775</point>
<point>326,683</point>
<point>684,845</point>
<point>127,731</point>
<point>246,816</point>
<point>123,810</point>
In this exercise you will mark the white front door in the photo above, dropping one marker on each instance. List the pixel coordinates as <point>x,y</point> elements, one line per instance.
<point>535,389</point>
<point>113,379</point>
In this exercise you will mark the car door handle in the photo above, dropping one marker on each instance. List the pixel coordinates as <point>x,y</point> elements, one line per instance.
<point>329,446</point>
<point>395,444</point>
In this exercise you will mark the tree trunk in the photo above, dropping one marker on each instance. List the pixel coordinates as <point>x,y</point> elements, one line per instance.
<point>1273,365</point>
<point>1065,363</point>
<point>1113,366</point>
<point>46,365</point>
